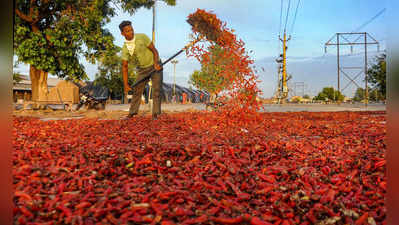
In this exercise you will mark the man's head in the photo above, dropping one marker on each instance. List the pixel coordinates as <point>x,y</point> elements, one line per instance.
<point>126,30</point>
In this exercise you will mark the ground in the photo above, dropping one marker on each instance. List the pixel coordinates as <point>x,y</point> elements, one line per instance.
<point>195,167</point>
<point>117,111</point>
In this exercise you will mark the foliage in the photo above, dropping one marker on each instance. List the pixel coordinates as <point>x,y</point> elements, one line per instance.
<point>377,75</point>
<point>51,35</point>
<point>306,97</point>
<point>374,95</point>
<point>205,81</point>
<point>209,78</point>
<point>321,97</point>
<point>359,95</point>
<point>110,74</point>
<point>329,94</point>
<point>131,6</point>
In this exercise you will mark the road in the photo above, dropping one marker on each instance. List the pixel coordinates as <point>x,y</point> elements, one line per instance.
<point>269,107</point>
<point>169,107</point>
<point>323,107</point>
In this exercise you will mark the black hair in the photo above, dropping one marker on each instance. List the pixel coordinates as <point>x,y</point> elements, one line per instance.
<point>124,24</point>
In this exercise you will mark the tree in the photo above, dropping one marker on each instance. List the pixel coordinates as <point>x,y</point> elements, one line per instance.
<point>110,74</point>
<point>131,6</point>
<point>359,95</point>
<point>374,95</point>
<point>377,75</point>
<point>329,94</point>
<point>208,78</point>
<point>205,81</point>
<point>51,35</point>
<point>306,96</point>
<point>321,97</point>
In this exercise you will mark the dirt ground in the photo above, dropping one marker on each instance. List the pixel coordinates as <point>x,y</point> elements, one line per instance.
<point>119,111</point>
<point>61,114</point>
<point>111,112</point>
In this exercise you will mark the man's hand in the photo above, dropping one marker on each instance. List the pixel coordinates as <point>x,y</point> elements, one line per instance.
<point>127,88</point>
<point>154,51</point>
<point>157,66</point>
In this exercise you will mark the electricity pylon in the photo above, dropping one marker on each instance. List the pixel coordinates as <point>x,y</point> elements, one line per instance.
<point>352,39</point>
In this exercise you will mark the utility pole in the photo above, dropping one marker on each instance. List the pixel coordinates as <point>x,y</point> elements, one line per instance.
<point>150,100</point>
<point>338,62</point>
<point>279,79</point>
<point>174,62</point>
<point>365,70</point>
<point>284,89</point>
<point>351,39</point>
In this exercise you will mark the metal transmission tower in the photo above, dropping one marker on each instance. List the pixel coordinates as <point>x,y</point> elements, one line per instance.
<point>351,39</point>
<point>299,89</point>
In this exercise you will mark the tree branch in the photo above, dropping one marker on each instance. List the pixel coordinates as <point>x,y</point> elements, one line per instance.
<point>23,16</point>
<point>31,8</point>
<point>36,12</point>
<point>29,18</point>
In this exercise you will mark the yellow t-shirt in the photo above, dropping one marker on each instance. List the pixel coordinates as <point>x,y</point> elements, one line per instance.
<point>142,53</point>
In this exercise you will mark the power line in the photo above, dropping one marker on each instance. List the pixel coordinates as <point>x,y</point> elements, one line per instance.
<point>281,15</point>
<point>279,29</point>
<point>286,19</point>
<point>371,20</point>
<point>296,11</point>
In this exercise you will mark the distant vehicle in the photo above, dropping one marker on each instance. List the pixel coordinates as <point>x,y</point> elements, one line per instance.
<point>92,96</point>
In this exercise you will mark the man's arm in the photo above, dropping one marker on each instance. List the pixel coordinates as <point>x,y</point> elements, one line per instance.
<point>126,86</point>
<point>154,51</point>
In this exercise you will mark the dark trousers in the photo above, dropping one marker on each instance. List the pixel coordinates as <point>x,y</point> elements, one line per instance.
<point>156,78</point>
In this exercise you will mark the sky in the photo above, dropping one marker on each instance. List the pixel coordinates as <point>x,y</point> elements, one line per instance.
<point>257,23</point>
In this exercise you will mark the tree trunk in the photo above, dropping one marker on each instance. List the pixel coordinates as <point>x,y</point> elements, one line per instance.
<point>38,78</point>
<point>39,84</point>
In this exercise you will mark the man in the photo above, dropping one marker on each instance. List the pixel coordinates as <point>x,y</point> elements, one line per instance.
<point>139,49</point>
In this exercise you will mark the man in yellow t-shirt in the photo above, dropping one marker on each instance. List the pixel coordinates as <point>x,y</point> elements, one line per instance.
<point>139,49</point>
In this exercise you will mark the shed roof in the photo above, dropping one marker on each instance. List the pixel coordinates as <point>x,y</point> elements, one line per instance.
<point>25,83</point>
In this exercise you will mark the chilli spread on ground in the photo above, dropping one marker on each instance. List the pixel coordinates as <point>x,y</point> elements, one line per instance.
<point>192,168</point>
